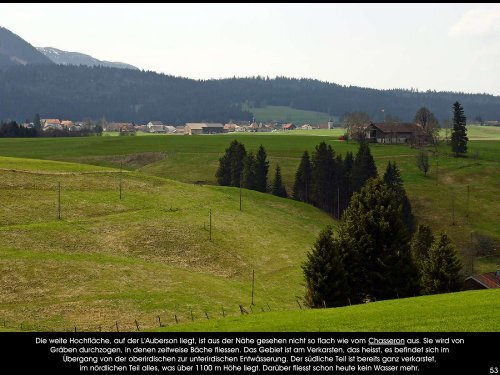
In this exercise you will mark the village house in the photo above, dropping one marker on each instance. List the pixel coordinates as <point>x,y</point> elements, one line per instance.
<point>397,132</point>
<point>155,127</point>
<point>51,124</point>
<point>67,124</point>
<point>289,126</point>
<point>169,129</point>
<point>488,280</point>
<point>306,127</point>
<point>229,128</point>
<point>203,128</point>
<point>116,126</point>
<point>269,127</point>
<point>253,127</point>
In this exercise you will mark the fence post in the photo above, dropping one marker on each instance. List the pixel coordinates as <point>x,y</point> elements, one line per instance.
<point>210,224</point>
<point>223,312</point>
<point>159,321</point>
<point>137,325</point>
<point>298,303</point>
<point>176,320</point>
<point>206,314</point>
<point>117,330</point>
<point>192,317</point>
<point>268,306</point>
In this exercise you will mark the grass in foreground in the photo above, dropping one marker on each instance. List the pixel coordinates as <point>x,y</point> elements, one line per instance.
<point>465,311</point>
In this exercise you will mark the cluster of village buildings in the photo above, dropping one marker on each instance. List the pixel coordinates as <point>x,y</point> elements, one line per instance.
<point>374,132</point>
<point>189,128</point>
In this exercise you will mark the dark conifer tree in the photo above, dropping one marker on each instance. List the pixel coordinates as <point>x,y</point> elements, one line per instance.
<point>230,168</point>
<point>302,185</point>
<point>392,177</point>
<point>337,185</point>
<point>420,246</point>
<point>375,245</point>
<point>261,170</point>
<point>324,273</point>
<point>238,154</point>
<point>363,167</point>
<point>459,133</point>
<point>421,243</point>
<point>278,187</point>
<point>441,273</point>
<point>323,169</point>
<point>346,188</point>
<point>248,180</point>
<point>37,122</point>
<point>223,173</point>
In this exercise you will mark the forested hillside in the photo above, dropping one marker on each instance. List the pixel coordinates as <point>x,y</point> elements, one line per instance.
<point>76,92</point>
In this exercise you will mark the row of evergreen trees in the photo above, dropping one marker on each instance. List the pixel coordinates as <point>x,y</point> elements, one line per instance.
<point>371,256</point>
<point>240,168</point>
<point>328,181</point>
<point>11,129</point>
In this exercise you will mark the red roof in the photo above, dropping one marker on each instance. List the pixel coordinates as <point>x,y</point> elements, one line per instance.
<point>488,280</point>
<point>288,126</point>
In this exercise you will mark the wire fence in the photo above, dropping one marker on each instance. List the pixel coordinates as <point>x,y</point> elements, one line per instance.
<point>153,322</point>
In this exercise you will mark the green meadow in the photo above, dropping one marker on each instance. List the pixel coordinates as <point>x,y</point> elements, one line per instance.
<point>148,257</point>
<point>473,311</point>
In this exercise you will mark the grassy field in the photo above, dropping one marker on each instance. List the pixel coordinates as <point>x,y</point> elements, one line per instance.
<point>148,255</point>
<point>145,256</point>
<point>473,311</point>
<point>288,114</point>
<point>189,159</point>
<point>476,132</point>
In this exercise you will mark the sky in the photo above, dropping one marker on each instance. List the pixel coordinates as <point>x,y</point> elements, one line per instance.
<point>443,47</point>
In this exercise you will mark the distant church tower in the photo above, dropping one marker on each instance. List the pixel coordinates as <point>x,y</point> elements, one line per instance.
<point>330,124</point>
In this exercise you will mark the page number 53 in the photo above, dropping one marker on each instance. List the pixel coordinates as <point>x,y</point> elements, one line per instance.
<point>493,370</point>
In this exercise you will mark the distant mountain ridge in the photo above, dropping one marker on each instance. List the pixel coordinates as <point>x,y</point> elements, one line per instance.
<point>14,50</point>
<point>76,58</point>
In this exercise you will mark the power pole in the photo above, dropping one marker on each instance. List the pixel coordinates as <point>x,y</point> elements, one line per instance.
<point>59,201</point>
<point>253,282</point>
<point>210,224</point>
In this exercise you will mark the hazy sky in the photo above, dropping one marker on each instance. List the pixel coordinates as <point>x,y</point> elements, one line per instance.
<point>442,47</point>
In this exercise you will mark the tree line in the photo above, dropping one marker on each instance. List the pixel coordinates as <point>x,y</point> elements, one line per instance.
<point>240,168</point>
<point>11,129</point>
